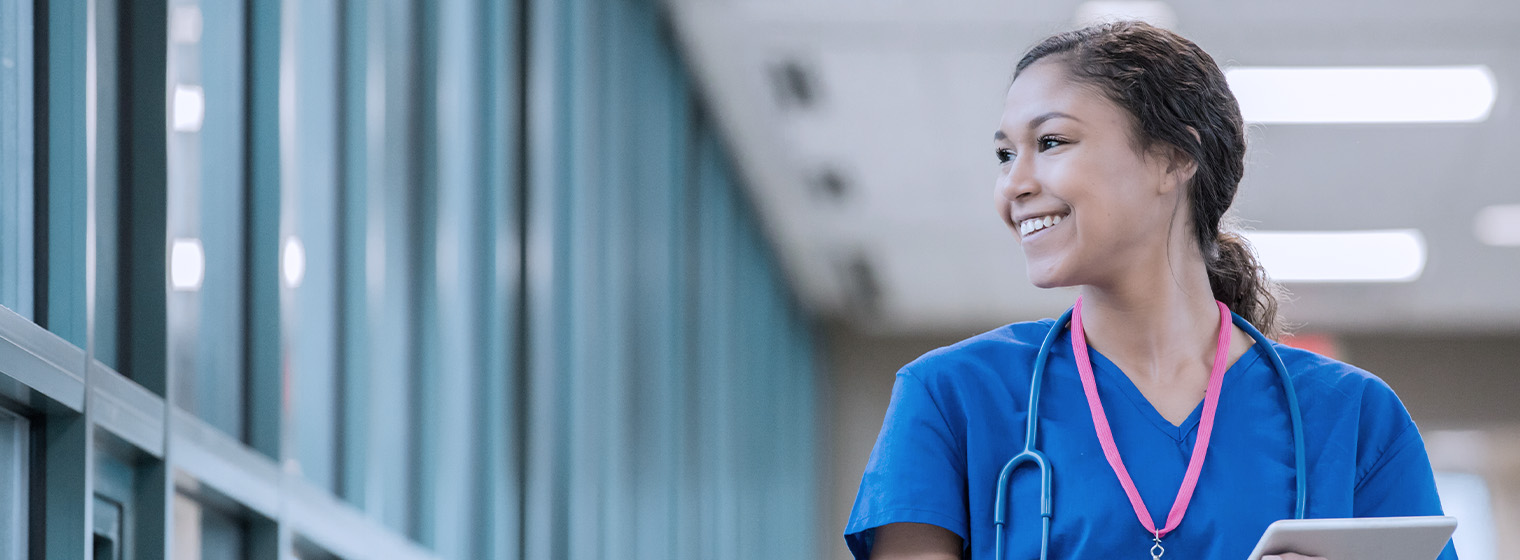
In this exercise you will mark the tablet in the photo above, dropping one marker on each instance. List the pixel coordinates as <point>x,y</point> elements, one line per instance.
<point>1360,538</point>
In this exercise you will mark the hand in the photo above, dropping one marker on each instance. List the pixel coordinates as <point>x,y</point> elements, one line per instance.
<point>1291,556</point>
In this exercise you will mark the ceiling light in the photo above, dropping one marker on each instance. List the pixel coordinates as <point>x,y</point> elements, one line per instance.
<point>1158,14</point>
<point>185,24</point>
<point>1363,95</point>
<point>1498,225</point>
<point>1341,256</point>
<point>293,262</point>
<point>189,108</point>
<point>187,264</point>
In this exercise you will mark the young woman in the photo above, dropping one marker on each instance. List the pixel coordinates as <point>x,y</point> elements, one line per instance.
<point>1121,147</point>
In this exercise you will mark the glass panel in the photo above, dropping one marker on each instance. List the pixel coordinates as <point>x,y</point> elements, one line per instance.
<point>206,209</point>
<point>13,485</point>
<point>392,322</point>
<point>16,157</point>
<point>108,192</point>
<point>117,498</point>
<point>108,516</point>
<point>204,533</point>
<point>306,550</point>
<point>309,256</point>
<point>187,528</point>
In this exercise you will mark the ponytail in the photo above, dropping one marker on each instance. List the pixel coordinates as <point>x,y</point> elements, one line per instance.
<point>1239,281</point>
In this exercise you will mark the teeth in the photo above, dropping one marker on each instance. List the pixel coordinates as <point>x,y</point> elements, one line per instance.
<point>1032,225</point>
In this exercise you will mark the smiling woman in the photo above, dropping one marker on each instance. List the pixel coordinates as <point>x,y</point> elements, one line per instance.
<point>1121,148</point>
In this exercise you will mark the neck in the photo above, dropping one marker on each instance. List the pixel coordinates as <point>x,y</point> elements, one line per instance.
<point>1160,327</point>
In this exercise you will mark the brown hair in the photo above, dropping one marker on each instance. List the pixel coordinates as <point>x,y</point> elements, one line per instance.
<point>1170,86</point>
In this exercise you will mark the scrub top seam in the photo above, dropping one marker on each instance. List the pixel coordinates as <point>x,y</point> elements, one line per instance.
<point>959,437</point>
<point>1399,442</point>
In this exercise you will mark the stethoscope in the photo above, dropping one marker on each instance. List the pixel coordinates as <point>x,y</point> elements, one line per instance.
<point>1032,425</point>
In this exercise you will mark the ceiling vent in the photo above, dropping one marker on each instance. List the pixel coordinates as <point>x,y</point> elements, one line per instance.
<point>862,289</point>
<point>830,186</point>
<point>796,87</point>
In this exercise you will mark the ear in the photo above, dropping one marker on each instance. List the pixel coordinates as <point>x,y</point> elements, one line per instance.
<point>1180,167</point>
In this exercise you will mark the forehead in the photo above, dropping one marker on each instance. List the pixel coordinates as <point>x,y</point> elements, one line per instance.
<point>1047,86</point>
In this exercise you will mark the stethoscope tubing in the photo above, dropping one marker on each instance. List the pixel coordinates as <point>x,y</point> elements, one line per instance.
<point>1031,454</point>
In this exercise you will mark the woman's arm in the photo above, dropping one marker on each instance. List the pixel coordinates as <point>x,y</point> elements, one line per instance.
<point>915,541</point>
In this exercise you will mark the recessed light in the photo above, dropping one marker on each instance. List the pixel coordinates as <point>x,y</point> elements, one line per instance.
<point>1498,225</point>
<point>1155,13</point>
<point>189,108</point>
<point>1341,256</point>
<point>293,262</point>
<point>187,264</point>
<point>1314,95</point>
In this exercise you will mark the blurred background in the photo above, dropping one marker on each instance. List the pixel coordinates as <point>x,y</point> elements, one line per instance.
<point>632,278</point>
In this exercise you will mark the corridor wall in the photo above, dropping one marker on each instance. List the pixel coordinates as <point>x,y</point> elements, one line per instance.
<point>418,279</point>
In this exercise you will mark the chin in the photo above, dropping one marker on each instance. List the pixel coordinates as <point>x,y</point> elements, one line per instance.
<point>1044,274</point>
<point>1045,279</point>
<point>1045,282</point>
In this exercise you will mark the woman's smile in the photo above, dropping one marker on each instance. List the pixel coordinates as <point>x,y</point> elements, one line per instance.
<point>1029,227</point>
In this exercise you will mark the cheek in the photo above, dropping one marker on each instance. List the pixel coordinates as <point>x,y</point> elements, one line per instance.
<point>1000,203</point>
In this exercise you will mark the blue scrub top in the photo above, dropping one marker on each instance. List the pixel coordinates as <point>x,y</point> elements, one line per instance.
<point>957,416</point>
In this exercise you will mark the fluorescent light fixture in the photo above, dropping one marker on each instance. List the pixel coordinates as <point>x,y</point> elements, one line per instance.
<point>189,108</point>
<point>1363,94</point>
<point>293,262</point>
<point>185,24</point>
<point>187,264</point>
<point>1155,13</point>
<point>1341,256</point>
<point>1498,225</point>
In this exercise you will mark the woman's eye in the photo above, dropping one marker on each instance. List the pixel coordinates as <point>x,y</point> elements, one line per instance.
<point>1004,155</point>
<point>1049,142</point>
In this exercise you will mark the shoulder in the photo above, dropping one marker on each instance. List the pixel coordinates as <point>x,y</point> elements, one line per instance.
<point>1326,380</point>
<point>1349,408</point>
<point>994,355</point>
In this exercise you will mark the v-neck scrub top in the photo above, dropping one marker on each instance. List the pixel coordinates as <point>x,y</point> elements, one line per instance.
<point>957,416</point>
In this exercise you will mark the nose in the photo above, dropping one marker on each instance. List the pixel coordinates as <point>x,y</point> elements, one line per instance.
<point>1017,180</point>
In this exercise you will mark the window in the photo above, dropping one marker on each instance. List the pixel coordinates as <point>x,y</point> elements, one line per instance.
<point>14,454</point>
<point>308,245</point>
<point>16,156</point>
<point>207,139</point>
<point>1466,497</point>
<point>206,533</point>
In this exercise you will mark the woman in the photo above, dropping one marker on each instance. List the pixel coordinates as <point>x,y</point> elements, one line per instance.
<point>1121,147</point>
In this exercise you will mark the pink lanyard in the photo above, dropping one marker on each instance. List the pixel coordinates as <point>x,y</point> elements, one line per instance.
<point>1106,436</point>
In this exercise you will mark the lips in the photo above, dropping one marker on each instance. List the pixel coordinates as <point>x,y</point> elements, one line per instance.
<point>1035,224</point>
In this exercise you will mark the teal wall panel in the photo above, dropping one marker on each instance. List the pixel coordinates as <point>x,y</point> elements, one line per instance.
<point>535,314</point>
<point>16,158</point>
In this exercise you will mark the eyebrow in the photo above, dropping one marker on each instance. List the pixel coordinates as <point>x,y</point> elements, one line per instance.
<point>1035,122</point>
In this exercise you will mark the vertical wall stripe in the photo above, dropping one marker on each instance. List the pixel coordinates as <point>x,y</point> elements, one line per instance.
<point>16,180</point>
<point>261,246</point>
<point>355,161</point>
<point>546,275</point>
<point>61,234</point>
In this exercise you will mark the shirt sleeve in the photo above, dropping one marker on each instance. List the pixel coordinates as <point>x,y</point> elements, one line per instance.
<point>1401,483</point>
<point>917,471</point>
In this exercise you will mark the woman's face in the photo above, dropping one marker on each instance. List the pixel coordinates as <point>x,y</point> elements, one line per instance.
<point>1068,160</point>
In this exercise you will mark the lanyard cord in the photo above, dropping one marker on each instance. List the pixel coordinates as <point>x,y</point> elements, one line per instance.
<point>1106,436</point>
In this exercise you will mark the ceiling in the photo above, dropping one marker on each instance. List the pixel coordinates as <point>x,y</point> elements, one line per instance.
<point>862,128</point>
